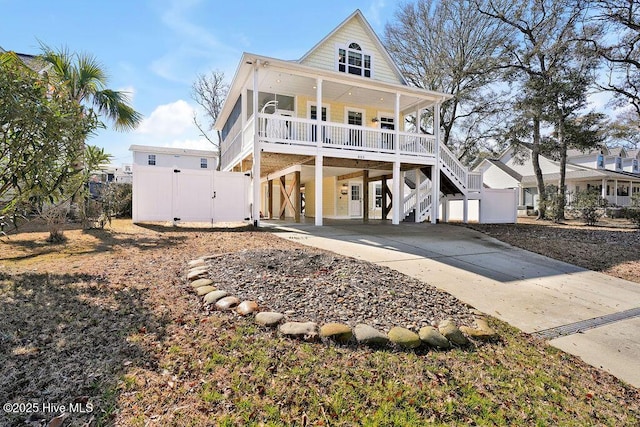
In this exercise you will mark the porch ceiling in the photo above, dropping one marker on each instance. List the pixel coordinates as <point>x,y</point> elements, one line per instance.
<point>272,163</point>
<point>284,83</point>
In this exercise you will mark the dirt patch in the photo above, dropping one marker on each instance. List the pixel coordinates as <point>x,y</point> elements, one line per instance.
<point>108,319</point>
<point>612,248</point>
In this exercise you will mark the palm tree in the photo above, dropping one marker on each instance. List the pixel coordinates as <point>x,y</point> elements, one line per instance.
<point>86,82</point>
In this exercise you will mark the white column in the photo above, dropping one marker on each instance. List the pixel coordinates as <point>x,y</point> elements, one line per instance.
<point>256,149</point>
<point>465,209</point>
<point>418,192</point>
<point>395,196</point>
<point>319,192</point>
<point>319,136</point>
<point>615,191</point>
<point>435,176</point>
<point>396,123</point>
<point>604,188</point>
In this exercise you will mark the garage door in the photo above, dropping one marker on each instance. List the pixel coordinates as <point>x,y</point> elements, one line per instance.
<point>169,194</point>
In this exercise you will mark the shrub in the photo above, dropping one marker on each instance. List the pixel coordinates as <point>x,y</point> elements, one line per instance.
<point>632,213</point>
<point>552,205</point>
<point>590,205</point>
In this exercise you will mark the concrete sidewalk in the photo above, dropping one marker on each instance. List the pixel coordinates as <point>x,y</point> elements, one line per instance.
<point>588,314</point>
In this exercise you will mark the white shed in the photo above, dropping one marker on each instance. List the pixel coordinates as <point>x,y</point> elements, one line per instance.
<point>176,184</point>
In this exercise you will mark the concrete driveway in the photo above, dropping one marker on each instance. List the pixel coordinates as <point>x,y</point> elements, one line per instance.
<point>588,314</point>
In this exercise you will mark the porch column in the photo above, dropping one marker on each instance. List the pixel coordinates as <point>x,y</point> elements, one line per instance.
<point>365,195</point>
<point>283,196</point>
<point>319,133</point>
<point>435,174</point>
<point>270,198</point>
<point>418,193</point>
<point>255,172</point>
<point>385,212</point>
<point>396,127</point>
<point>395,197</point>
<point>615,191</point>
<point>603,193</point>
<point>465,209</point>
<point>318,182</point>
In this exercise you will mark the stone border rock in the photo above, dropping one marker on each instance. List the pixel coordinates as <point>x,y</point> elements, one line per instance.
<point>445,336</point>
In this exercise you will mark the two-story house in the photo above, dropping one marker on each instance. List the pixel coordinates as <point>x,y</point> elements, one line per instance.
<point>332,134</point>
<point>611,171</point>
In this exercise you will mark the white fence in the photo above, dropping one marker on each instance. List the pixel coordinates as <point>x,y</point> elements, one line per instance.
<point>188,195</point>
<point>494,207</point>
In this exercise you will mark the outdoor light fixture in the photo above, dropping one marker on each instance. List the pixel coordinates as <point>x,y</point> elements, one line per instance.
<point>344,190</point>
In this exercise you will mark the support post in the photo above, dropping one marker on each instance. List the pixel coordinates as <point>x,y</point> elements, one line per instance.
<point>283,196</point>
<point>270,198</point>
<point>418,194</point>
<point>385,212</point>
<point>465,209</point>
<point>395,195</point>
<point>319,191</point>
<point>435,174</point>
<point>365,195</point>
<point>615,192</point>
<point>319,130</point>
<point>255,172</point>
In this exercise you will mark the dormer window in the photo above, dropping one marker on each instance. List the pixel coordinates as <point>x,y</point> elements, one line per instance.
<point>353,60</point>
<point>618,163</point>
<point>635,165</point>
<point>600,161</point>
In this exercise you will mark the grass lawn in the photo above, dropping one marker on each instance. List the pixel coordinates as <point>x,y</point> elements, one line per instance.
<point>107,319</point>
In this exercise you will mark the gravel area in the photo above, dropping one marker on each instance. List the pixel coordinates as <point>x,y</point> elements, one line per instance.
<point>313,285</point>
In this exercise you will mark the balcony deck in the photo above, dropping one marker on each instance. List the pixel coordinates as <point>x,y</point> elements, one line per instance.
<point>285,134</point>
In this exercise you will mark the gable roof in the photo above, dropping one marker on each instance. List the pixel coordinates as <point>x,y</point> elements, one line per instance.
<point>359,17</point>
<point>506,169</point>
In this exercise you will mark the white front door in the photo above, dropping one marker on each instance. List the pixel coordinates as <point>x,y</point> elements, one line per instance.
<point>355,200</point>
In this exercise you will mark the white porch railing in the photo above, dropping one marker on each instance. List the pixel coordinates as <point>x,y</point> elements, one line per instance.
<point>474,181</point>
<point>619,200</point>
<point>455,170</point>
<point>297,131</point>
<point>422,206</point>
<point>279,129</point>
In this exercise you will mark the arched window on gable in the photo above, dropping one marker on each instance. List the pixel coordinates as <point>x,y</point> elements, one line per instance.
<point>353,60</point>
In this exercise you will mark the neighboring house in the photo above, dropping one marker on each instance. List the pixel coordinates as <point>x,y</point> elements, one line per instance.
<point>328,135</point>
<point>611,171</point>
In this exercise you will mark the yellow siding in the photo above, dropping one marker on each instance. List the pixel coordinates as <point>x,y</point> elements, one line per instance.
<point>329,196</point>
<point>342,208</point>
<point>337,110</point>
<point>324,56</point>
<point>310,199</point>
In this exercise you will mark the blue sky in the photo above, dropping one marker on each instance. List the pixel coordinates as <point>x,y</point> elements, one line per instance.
<point>155,48</point>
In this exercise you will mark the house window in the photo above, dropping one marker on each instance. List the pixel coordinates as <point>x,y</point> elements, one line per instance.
<point>600,161</point>
<point>635,166</point>
<point>353,60</point>
<point>203,163</point>
<point>618,162</point>
<point>151,161</point>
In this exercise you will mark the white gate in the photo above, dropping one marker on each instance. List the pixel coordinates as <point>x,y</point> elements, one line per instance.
<point>188,195</point>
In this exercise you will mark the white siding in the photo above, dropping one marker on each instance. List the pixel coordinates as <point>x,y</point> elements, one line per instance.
<point>325,55</point>
<point>494,177</point>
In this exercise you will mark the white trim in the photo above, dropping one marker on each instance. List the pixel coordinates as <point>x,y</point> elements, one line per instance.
<point>314,104</point>
<point>347,49</point>
<point>350,184</point>
<point>355,110</point>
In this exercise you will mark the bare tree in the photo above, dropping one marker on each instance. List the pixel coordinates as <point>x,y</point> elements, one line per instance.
<point>210,91</point>
<point>614,36</point>
<point>449,46</point>
<point>544,59</point>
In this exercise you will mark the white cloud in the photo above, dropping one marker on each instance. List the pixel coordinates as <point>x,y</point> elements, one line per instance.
<point>168,120</point>
<point>129,91</point>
